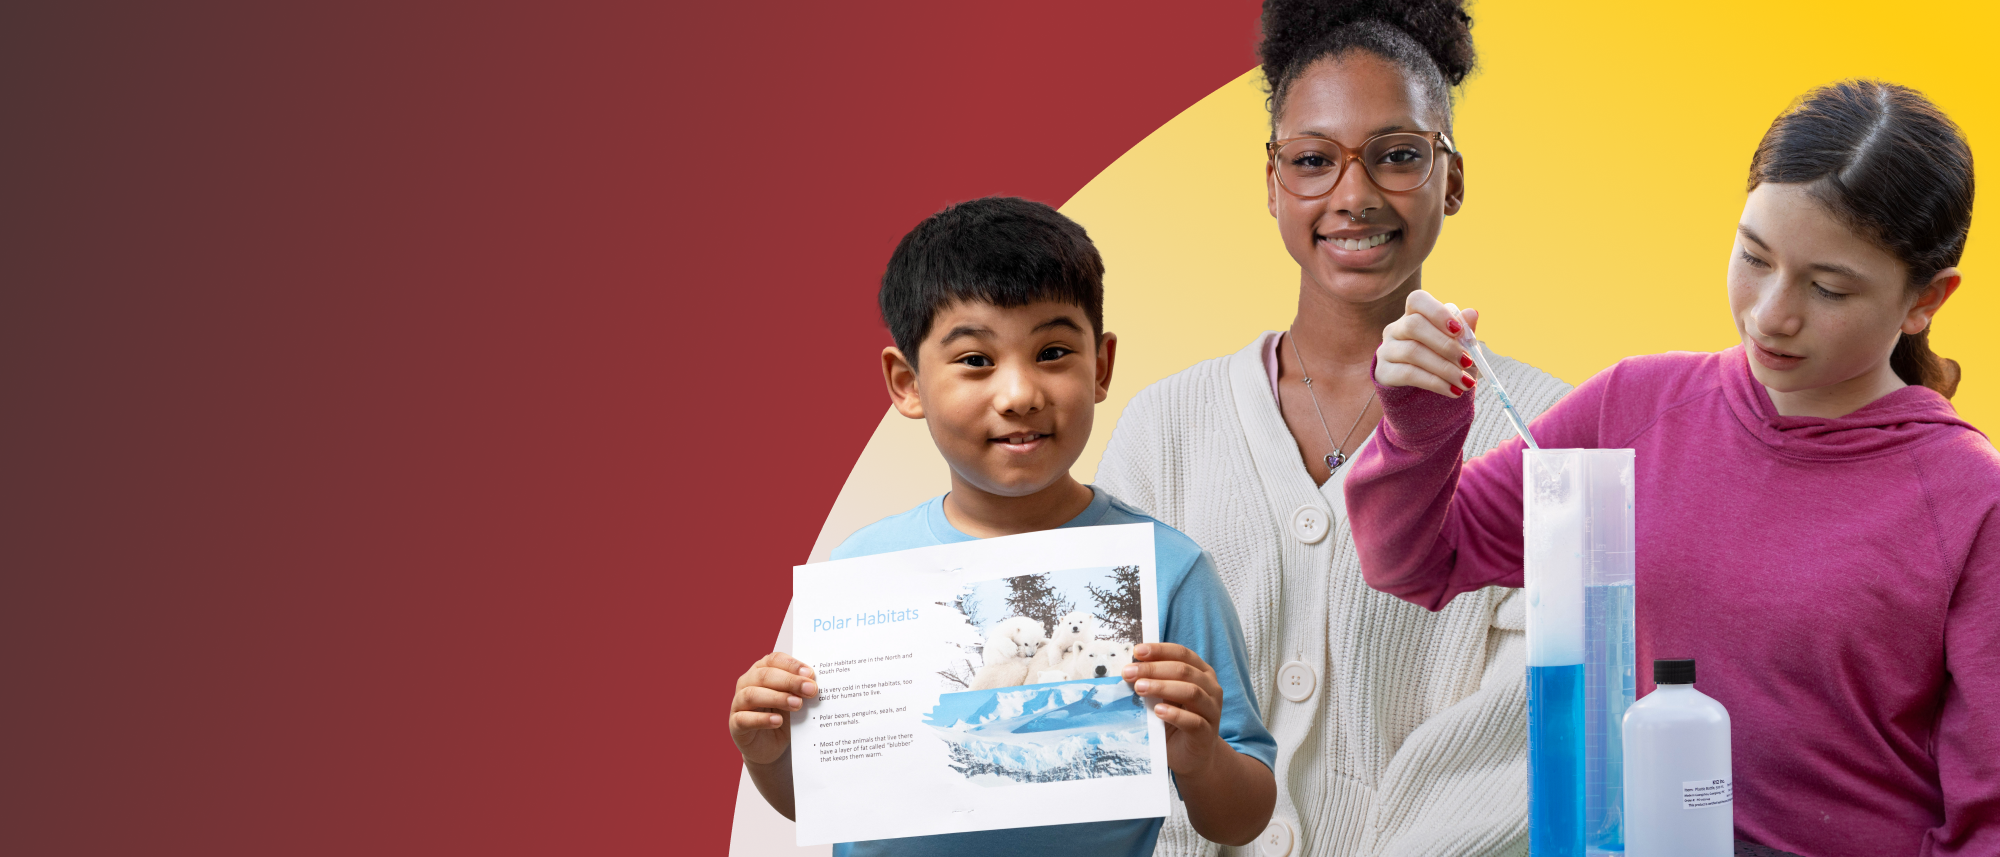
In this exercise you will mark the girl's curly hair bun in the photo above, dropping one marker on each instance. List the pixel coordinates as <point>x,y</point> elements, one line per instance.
<point>1431,39</point>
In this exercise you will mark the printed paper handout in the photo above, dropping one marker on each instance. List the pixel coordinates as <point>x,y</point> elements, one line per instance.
<point>977,686</point>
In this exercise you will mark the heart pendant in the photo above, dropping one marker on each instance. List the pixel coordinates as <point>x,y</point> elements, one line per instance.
<point>1334,460</point>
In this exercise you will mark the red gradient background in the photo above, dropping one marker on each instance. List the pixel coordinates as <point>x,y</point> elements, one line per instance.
<point>412,411</point>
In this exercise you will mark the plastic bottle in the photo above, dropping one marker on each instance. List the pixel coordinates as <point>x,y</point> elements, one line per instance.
<point>1678,786</point>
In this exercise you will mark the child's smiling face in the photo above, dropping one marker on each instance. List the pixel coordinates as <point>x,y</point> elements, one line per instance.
<point>1009,392</point>
<point>1350,99</point>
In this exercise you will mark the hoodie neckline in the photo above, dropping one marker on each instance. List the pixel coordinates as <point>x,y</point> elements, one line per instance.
<point>1895,422</point>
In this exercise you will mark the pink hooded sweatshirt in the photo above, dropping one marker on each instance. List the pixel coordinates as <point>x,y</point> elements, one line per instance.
<point>1836,580</point>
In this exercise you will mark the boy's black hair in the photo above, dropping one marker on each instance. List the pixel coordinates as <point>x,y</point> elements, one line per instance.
<point>1000,250</point>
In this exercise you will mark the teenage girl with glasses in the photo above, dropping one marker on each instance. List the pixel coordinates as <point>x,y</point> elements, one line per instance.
<point>1817,527</point>
<point>1401,731</point>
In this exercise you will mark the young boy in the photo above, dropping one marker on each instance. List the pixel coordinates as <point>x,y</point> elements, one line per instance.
<point>997,309</point>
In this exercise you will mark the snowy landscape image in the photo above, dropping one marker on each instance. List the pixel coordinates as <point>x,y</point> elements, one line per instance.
<point>1044,733</point>
<point>1036,692</point>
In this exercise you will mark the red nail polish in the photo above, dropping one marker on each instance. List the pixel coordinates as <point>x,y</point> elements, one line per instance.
<point>1454,390</point>
<point>1465,360</point>
<point>1452,326</point>
<point>1467,380</point>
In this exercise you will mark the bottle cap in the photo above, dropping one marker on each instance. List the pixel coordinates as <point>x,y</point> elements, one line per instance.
<point>1673,671</point>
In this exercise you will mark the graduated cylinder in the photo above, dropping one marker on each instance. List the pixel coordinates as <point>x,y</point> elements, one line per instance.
<point>1579,562</point>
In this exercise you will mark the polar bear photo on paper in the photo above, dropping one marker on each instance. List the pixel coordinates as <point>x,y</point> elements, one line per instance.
<point>1071,632</point>
<point>1058,611</point>
<point>1010,653</point>
<point>1101,659</point>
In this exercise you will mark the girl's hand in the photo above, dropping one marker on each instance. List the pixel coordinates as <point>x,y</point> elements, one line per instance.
<point>1421,349</point>
<point>1190,703</point>
<point>776,685</point>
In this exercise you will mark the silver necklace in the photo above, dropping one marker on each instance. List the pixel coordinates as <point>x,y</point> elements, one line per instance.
<point>1336,458</point>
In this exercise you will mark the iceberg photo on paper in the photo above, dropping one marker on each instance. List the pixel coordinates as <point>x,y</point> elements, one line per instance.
<point>1038,693</point>
<point>1044,733</point>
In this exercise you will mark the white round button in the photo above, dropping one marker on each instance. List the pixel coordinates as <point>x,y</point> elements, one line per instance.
<point>1310,524</point>
<point>1296,681</point>
<point>1276,840</point>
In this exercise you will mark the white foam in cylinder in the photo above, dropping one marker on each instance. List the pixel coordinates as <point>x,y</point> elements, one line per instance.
<point>1555,555</point>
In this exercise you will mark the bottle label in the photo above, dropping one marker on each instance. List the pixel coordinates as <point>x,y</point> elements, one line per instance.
<point>1701,794</point>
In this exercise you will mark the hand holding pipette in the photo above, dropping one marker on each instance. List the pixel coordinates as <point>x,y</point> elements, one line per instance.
<point>1472,347</point>
<point>1433,346</point>
<point>1422,349</point>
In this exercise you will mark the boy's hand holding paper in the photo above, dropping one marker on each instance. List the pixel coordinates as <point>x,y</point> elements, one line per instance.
<point>1227,794</point>
<point>776,685</point>
<point>1190,702</point>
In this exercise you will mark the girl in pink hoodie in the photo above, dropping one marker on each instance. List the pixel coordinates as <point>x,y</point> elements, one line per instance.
<point>1816,526</point>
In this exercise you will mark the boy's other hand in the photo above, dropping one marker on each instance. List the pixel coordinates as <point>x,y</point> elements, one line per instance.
<point>774,687</point>
<point>1190,703</point>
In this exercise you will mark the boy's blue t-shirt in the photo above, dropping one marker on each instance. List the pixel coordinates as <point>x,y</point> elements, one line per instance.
<point>1195,612</point>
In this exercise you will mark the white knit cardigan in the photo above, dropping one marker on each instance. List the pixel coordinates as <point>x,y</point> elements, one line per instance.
<point>1414,741</point>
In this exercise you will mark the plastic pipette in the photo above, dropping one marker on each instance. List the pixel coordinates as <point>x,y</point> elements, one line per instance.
<point>1487,375</point>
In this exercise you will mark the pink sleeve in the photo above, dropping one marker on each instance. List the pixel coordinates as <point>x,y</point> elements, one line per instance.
<point>1427,524</point>
<point>1968,731</point>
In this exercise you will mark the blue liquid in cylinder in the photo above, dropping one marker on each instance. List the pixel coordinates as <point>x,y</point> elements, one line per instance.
<point>1609,678</point>
<point>1555,761</point>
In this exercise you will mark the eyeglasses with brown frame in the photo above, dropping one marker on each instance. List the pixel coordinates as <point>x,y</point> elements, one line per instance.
<point>1398,162</point>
